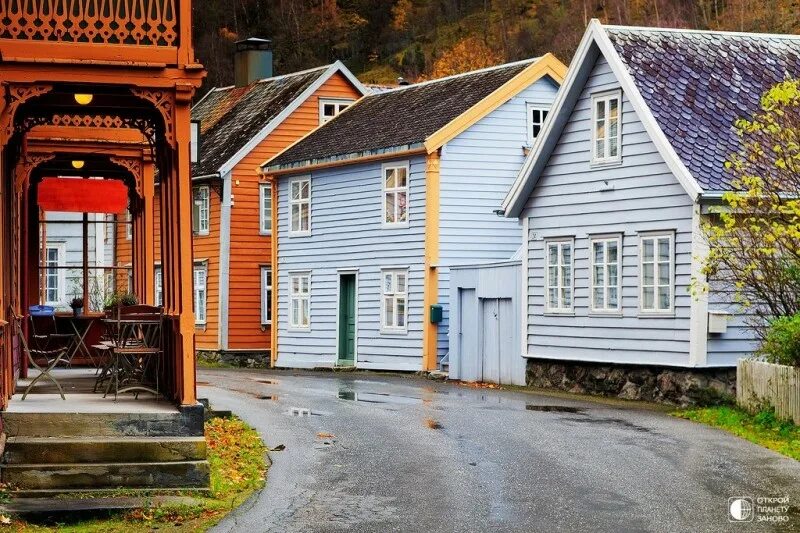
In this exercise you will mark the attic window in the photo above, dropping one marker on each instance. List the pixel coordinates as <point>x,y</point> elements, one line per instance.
<point>606,127</point>
<point>536,115</point>
<point>329,108</point>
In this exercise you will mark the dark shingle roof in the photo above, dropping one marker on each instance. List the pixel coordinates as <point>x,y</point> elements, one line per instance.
<point>400,117</point>
<point>230,117</point>
<point>697,84</point>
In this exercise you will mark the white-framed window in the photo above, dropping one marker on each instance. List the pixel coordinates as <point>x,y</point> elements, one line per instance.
<point>656,272</point>
<point>200,293</point>
<point>394,304</point>
<point>300,206</point>
<point>300,300</point>
<point>536,115</point>
<point>265,208</point>
<point>158,289</point>
<point>395,194</point>
<point>266,295</point>
<point>200,210</point>
<point>606,127</point>
<point>129,280</point>
<point>55,278</point>
<point>559,287</point>
<point>128,225</point>
<point>606,273</point>
<point>330,107</point>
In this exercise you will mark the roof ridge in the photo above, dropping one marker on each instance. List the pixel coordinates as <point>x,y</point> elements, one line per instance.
<point>789,36</point>
<point>462,74</point>
<point>274,78</point>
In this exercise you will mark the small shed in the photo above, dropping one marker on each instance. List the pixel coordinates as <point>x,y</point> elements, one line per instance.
<point>485,341</point>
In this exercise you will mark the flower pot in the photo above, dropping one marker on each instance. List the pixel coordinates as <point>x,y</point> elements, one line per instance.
<point>77,311</point>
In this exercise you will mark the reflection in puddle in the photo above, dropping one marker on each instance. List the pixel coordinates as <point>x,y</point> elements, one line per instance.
<point>302,411</point>
<point>378,397</point>
<point>553,408</point>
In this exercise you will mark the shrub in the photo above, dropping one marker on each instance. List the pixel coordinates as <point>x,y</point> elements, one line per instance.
<point>781,343</point>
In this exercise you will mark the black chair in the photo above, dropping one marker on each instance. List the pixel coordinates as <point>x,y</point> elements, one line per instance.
<point>51,348</point>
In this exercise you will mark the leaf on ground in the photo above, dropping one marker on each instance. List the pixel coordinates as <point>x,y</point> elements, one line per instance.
<point>278,448</point>
<point>323,435</point>
<point>432,424</point>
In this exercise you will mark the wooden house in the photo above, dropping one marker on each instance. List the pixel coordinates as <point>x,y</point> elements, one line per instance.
<point>373,207</point>
<point>629,166</point>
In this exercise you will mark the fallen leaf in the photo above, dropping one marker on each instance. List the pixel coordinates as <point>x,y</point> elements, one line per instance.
<point>278,448</point>
<point>431,423</point>
<point>326,436</point>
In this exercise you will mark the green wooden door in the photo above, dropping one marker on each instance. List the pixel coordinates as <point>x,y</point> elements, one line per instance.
<point>347,318</point>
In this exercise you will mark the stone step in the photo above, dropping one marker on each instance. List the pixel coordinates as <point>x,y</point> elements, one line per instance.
<point>199,492</point>
<point>25,477</point>
<point>60,450</point>
<point>155,424</point>
<point>53,505</point>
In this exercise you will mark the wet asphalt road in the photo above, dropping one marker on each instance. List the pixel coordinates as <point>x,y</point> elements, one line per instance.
<point>415,455</point>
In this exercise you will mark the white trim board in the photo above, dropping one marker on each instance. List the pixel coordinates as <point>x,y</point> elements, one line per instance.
<point>595,42</point>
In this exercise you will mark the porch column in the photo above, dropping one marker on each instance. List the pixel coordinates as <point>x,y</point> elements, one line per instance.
<point>176,251</point>
<point>148,232</point>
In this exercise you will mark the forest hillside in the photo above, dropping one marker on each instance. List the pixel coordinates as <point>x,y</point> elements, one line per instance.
<point>381,40</point>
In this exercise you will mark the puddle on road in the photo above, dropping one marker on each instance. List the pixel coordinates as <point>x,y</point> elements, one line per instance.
<point>266,381</point>
<point>302,411</point>
<point>201,383</point>
<point>553,408</point>
<point>613,422</point>
<point>377,397</point>
<point>273,397</point>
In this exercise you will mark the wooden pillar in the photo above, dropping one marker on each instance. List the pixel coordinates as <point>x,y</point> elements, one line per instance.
<point>148,232</point>
<point>431,275</point>
<point>176,251</point>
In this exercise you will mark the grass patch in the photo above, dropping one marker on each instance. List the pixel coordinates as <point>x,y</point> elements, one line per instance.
<point>236,455</point>
<point>763,428</point>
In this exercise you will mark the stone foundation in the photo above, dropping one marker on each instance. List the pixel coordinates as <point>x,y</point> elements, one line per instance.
<point>670,385</point>
<point>248,359</point>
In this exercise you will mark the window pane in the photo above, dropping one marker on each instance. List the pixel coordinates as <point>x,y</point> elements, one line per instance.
<point>295,190</point>
<point>612,298</point>
<point>401,312</point>
<point>536,129</point>
<point>663,297</point>
<point>402,179</point>
<point>648,298</point>
<point>304,282</point>
<point>601,110</point>
<point>402,212</point>
<point>613,108</point>
<point>612,251</point>
<point>663,249</point>
<point>553,297</point>
<point>295,218</point>
<point>329,110</point>
<point>613,275</point>
<point>295,312</point>
<point>600,148</point>
<point>647,252</point>
<point>536,116</point>
<point>552,276</point>
<point>401,283</point>
<point>663,274</point>
<point>597,247</point>
<point>566,295</point>
<point>566,254</point>
<point>599,298</point>
<point>552,254</point>
<point>599,275</point>
<point>647,274</point>
<point>304,217</point>
<point>390,209</point>
<point>388,304</point>
<point>566,276</point>
<point>388,287</point>
<point>304,312</point>
<point>390,178</point>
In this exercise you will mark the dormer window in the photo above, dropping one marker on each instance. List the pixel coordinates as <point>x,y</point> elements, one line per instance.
<point>330,107</point>
<point>606,127</point>
<point>536,115</point>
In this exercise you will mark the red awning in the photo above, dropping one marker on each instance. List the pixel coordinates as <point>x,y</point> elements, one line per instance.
<point>83,195</point>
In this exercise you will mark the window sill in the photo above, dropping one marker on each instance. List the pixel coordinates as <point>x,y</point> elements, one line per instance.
<point>385,331</point>
<point>299,329</point>
<point>265,233</point>
<point>665,314</point>
<point>559,313</point>
<point>605,164</point>
<point>609,314</point>
<point>293,234</point>
<point>197,234</point>
<point>395,226</point>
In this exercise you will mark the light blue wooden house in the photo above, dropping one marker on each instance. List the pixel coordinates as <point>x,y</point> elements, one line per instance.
<point>612,197</point>
<point>375,205</point>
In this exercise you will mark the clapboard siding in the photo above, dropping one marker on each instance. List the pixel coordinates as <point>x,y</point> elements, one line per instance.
<point>346,233</point>
<point>249,250</point>
<point>568,202</point>
<point>477,169</point>
<point>739,341</point>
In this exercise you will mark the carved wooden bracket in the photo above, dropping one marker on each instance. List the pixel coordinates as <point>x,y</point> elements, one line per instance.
<point>134,166</point>
<point>164,101</point>
<point>26,167</point>
<point>18,95</point>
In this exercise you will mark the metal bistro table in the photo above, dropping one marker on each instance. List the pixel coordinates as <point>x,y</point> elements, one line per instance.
<point>80,325</point>
<point>136,344</point>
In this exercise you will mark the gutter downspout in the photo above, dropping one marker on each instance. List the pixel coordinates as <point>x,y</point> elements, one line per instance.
<point>224,260</point>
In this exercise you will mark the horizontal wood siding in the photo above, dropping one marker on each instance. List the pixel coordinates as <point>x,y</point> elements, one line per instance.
<point>249,249</point>
<point>478,168</point>
<point>738,341</point>
<point>567,202</point>
<point>346,233</point>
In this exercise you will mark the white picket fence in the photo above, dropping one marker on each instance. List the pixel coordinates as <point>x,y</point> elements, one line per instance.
<point>759,383</point>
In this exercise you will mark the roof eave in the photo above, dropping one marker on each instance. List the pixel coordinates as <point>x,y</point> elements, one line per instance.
<point>296,167</point>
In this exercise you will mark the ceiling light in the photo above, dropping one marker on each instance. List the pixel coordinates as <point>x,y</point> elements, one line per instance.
<point>77,164</point>
<point>84,98</point>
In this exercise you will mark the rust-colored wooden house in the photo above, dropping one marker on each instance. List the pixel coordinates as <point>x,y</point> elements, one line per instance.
<point>102,92</point>
<point>240,127</point>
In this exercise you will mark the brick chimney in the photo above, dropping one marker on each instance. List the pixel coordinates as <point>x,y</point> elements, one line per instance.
<point>252,61</point>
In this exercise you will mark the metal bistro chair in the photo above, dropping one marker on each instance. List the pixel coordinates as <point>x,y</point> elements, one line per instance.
<point>137,353</point>
<point>51,348</point>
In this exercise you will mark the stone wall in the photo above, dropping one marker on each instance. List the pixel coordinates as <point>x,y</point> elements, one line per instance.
<point>235,359</point>
<point>677,386</point>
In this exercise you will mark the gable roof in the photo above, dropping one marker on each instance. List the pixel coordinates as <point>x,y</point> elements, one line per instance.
<point>233,120</point>
<point>425,115</point>
<point>688,88</point>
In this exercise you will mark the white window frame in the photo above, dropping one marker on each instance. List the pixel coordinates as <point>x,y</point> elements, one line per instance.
<point>200,294</point>
<point>395,190</point>
<point>301,297</point>
<point>549,307</point>
<point>605,158</point>
<point>534,106</point>
<point>265,208</point>
<point>395,295</point>
<point>656,236</point>
<point>204,210</point>
<point>337,103</point>
<point>299,203</point>
<point>158,286</point>
<point>605,240</point>
<point>128,224</point>
<point>266,295</point>
<point>61,273</point>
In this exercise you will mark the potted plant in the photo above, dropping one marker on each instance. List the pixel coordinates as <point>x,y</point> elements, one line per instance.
<point>128,299</point>
<point>77,306</point>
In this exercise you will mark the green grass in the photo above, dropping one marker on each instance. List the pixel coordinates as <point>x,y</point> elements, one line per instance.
<point>763,428</point>
<point>236,455</point>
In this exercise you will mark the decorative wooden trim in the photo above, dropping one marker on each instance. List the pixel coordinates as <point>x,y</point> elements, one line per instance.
<point>164,102</point>
<point>431,275</point>
<point>18,95</point>
<point>27,166</point>
<point>134,166</point>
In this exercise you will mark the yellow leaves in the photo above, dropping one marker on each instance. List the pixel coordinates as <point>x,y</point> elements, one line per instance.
<point>468,54</point>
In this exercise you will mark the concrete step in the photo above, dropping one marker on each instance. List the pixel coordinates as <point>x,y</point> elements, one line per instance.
<point>154,424</point>
<point>199,492</point>
<point>52,505</point>
<point>60,450</point>
<point>84,476</point>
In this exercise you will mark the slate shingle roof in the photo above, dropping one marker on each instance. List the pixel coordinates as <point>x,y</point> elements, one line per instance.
<point>399,117</point>
<point>697,84</point>
<point>231,116</point>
